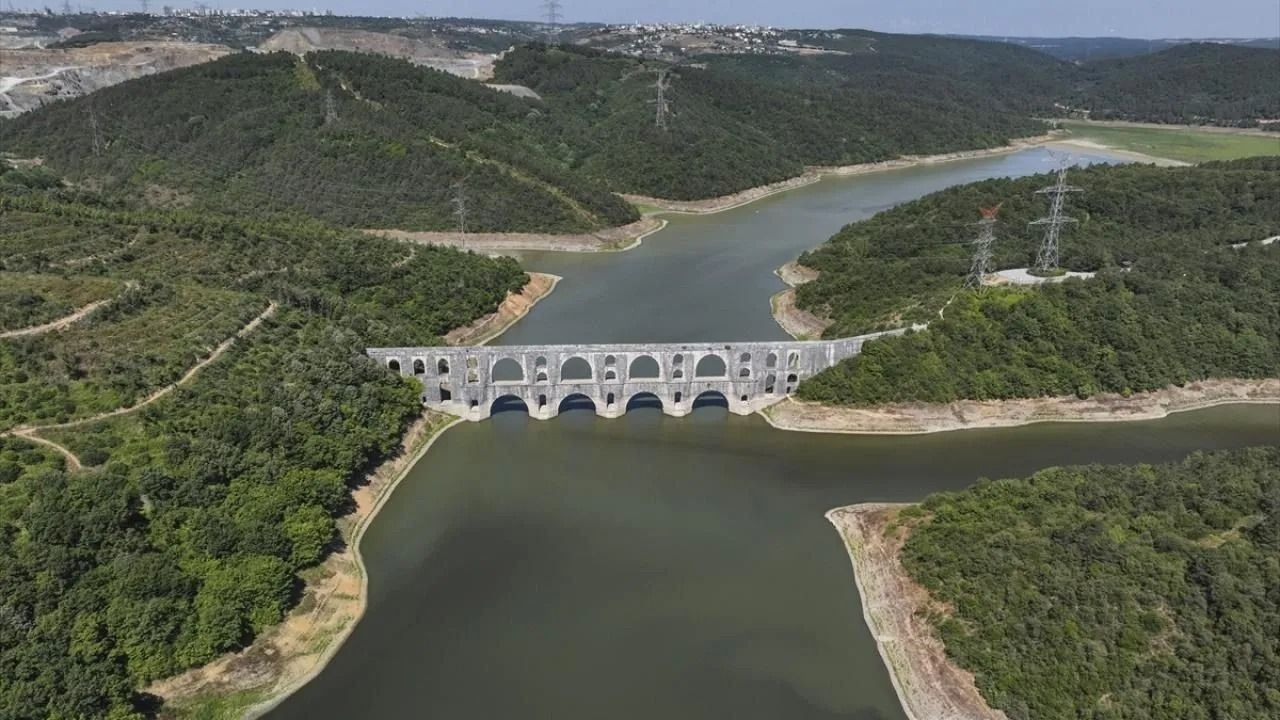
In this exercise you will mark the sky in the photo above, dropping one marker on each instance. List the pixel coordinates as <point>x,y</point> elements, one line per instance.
<point>1039,18</point>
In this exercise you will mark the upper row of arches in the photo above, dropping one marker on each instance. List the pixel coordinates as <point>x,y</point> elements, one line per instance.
<point>642,367</point>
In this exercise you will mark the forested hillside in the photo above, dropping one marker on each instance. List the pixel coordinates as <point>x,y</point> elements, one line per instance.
<point>183,536</point>
<point>1210,83</point>
<point>368,141</point>
<point>356,140</point>
<point>732,127</point>
<point>1112,591</point>
<point>1173,301</point>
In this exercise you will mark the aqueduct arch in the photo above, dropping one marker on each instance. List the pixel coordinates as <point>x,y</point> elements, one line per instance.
<point>469,381</point>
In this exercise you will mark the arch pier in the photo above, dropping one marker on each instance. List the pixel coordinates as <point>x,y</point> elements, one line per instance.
<point>467,381</point>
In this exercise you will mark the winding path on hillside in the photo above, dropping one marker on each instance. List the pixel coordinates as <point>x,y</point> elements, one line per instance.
<point>63,322</point>
<point>29,432</point>
<point>58,324</point>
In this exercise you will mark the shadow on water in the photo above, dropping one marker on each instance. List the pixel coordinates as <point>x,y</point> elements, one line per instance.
<point>509,403</point>
<point>711,399</point>
<point>577,402</point>
<point>644,401</point>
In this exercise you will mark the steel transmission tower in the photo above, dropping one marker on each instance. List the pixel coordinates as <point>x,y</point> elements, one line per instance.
<point>330,108</point>
<point>1047,259</point>
<point>551,11</point>
<point>460,204</point>
<point>983,249</point>
<point>95,130</point>
<point>662,106</point>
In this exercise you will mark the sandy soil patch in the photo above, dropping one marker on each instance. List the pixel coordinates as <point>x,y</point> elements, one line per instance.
<point>795,274</point>
<point>1081,144</point>
<point>34,76</point>
<point>290,654</point>
<point>614,239</point>
<point>516,306</point>
<point>1023,276</point>
<point>917,418</point>
<point>929,685</point>
<point>427,53</point>
<point>814,174</point>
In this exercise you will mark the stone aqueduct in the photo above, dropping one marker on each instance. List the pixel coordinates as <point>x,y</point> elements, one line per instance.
<point>468,381</point>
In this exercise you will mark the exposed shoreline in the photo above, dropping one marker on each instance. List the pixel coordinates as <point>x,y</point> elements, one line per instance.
<point>629,237</point>
<point>929,686</point>
<point>509,312</point>
<point>799,324</point>
<point>252,681</point>
<point>815,174</point>
<point>289,655</point>
<point>923,418</point>
<point>1086,144</point>
<point>613,239</point>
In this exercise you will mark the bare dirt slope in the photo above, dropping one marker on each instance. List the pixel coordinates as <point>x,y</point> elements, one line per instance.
<point>31,77</point>
<point>896,608</point>
<point>472,65</point>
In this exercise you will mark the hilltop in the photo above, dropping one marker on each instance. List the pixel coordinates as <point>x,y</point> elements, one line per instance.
<point>737,122</point>
<point>1174,299</point>
<point>369,141</point>
<point>176,533</point>
<point>353,139</point>
<point>1109,591</point>
<point>1203,83</point>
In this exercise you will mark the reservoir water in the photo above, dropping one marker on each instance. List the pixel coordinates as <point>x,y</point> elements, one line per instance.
<point>652,567</point>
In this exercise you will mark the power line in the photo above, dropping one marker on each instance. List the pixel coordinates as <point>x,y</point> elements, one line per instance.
<point>983,249</point>
<point>460,204</point>
<point>551,12</point>
<point>93,128</point>
<point>662,106</point>
<point>1047,258</point>
<point>330,108</point>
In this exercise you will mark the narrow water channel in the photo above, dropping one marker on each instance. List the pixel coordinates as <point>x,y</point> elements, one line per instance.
<point>652,567</point>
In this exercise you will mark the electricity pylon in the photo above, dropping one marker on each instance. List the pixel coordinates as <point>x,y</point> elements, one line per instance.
<point>662,106</point>
<point>1047,259</point>
<point>983,253</point>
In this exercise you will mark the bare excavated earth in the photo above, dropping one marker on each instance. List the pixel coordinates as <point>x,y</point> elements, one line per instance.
<point>299,41</point>
<point>32,77</point>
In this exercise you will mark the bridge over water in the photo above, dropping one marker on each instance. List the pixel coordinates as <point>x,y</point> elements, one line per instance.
<point>470,381</point>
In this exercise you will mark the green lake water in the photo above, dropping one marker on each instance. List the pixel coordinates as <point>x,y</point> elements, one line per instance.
<point>652,567</point>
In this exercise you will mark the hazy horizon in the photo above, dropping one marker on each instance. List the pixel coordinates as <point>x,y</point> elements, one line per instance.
<point>1084,18</point>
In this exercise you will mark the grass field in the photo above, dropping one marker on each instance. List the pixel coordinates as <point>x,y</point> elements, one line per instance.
<point>1186,145</point>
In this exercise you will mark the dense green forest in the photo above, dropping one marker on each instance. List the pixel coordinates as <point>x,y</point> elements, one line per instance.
<point>732,127</point>
<point>367,141</point>
<point>1112,591</point>
<point>1200,83</point>
<point>352,139</point>
<point>1173,301</point>
<point>183,536</point>
<point>1209,83</point>
<point>903,264</point>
